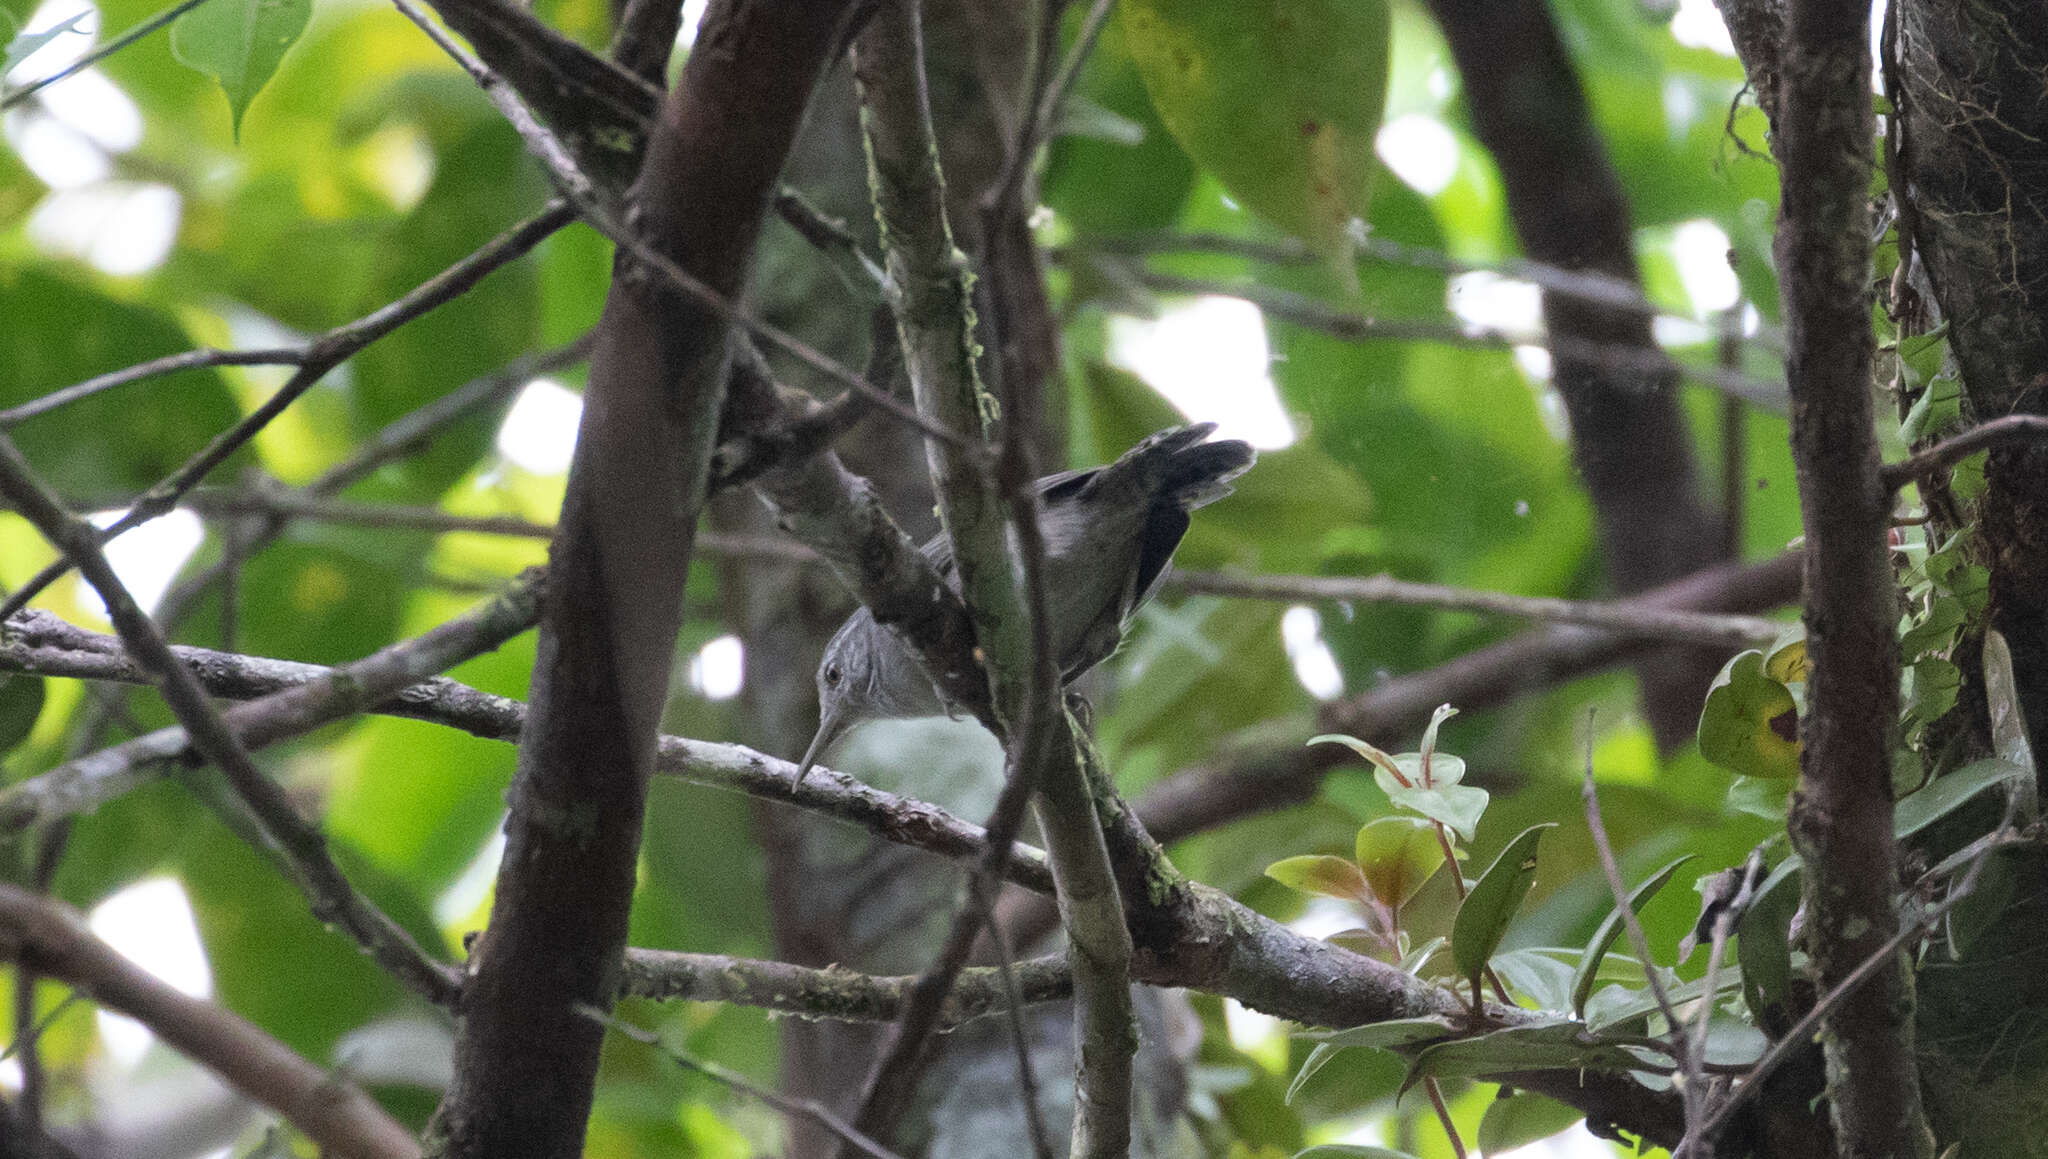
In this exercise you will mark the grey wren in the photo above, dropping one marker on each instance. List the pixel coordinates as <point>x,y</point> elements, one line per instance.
<point>1109,533</point>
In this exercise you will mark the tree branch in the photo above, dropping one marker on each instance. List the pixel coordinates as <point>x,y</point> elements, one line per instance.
<point>1841,820</point>
<point>526,1056</point>
<point>1926,464</point>
<point>39,643</point>
<point>1277,970</point>
<point>1242,784</point>
<point>832,510</point>
<point>1634,618</point>
<point>334,1113</point>
<point>1003,591</point>
<point>1630,439</point>
<point>285,711</point>
<point>321,355</point>
<point>297,845</point>
<point>833,993</point>
<point>1611,356</point>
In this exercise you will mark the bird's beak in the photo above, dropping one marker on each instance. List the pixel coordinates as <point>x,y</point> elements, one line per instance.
<point>829,729</point>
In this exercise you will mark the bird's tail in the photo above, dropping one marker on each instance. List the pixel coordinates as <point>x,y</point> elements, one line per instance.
<point>1193,472</point>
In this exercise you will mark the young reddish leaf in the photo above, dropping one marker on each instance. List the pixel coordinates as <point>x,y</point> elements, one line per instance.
<point>1397,855</point>
<point>1322,874</point>
<point>1387,766</point>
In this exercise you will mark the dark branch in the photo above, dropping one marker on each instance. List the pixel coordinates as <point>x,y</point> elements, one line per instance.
<point>1841,820</point>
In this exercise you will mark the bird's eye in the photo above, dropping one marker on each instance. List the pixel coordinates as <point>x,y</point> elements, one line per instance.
<point>832,675</point>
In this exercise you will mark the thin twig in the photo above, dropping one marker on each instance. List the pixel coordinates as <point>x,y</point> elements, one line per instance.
<point>1950,451</point>
<point>99,54</point>
<point>1587,285</point>
<point>1013,1012</point>
<point>321,355</point>
<point>1310,314</point>
<point>1627,616</point>
<point>1045,94</point>
<point>795,1108</point>
<point>405,435</point>
<point>330,1110</point>
<point>1694,1059</point>
<point>1443,1116</point>
<point>1803,1031</point>
<point>298,845</point>
<point>1638,940</point>
<point>584,194</point>
<point>168,364</point>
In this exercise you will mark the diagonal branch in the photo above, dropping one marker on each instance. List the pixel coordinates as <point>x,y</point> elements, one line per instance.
<point>330,1110</point>
<point>319,356</point>
<point>299,846</point>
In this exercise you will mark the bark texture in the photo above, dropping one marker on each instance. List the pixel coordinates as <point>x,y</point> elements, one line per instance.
<point>1973,151</point>
<point>1842,813</point>
<point>527,1051</point>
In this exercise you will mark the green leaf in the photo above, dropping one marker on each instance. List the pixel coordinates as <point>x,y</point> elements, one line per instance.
<point>60,330</point>
<point>1946,794</point>
<point>1786,662</point>
<point>1322,1054</point>
<point>1484,917</point>
<point>25,45</point>
<point>1280,100</point>
<point>1106,187</point>
<point>1610,929</point>
<point>1386,1035</point>
<point>1351,1151</point>
<point>1398,855</point>
<point>1444,769</point>
<point>1458,806</point>
<point>1750,724</point>
<point>2002,701</point>
<point>21,701</point>
<point>1419,957</point>
<point>239,43</point>
<point>1932,685</point>
<point>1322,874</point>
<point>1763,939</point>
<point>1761,798</point>
<point>1938,409</point>
<point>1920,355</point>
<point>1557,1045</point>
<point>1518,1118</point>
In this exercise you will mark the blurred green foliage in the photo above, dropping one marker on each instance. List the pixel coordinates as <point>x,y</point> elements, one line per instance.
<point>367,163</point>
